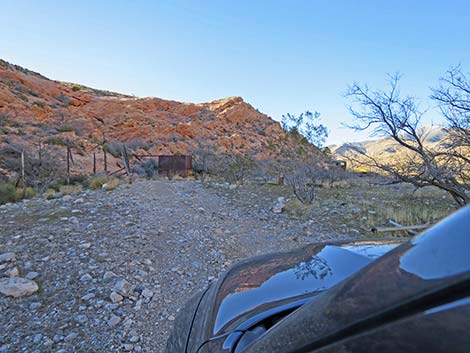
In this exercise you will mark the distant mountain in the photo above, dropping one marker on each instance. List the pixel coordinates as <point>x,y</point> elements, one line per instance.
<point>387,148</point>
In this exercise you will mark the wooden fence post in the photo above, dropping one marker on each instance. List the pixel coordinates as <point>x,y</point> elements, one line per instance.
<point>23,178</point>
<point>125,160</point>
<point>94,163</point>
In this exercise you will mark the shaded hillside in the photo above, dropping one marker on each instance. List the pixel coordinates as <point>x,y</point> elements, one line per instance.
<point>36,111</point>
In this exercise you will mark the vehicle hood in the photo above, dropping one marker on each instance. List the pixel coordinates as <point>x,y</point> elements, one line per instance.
<point>277,282</point>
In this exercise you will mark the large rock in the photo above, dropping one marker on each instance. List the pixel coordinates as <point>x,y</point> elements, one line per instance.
<point>6,257</point>
<point>17,286</point>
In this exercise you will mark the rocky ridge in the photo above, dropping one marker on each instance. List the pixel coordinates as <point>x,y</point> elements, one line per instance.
<point>36,111</point>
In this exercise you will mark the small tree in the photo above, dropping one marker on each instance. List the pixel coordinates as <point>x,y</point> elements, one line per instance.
<point>392,115</point>
<point>305,127</point>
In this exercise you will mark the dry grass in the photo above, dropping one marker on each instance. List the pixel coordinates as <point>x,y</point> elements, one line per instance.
<point>111,184</point>
<point>105,182</point>
<point>359,206</point>
<point>70,189</point>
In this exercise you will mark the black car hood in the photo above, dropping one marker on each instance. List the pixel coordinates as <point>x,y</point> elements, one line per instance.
<point>283,280</point>
<point>428,271</point>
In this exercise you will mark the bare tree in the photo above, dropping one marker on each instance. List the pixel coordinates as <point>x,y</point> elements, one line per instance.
<point>388,113</point>
<point>453,97</point>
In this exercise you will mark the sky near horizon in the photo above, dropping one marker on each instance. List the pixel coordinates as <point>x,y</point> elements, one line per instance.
<point>280,56</point>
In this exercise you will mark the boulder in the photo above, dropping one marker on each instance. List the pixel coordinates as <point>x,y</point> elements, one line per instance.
<point>17,286</point>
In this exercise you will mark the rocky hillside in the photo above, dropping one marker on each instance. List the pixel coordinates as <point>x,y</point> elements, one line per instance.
<point>36,111</point>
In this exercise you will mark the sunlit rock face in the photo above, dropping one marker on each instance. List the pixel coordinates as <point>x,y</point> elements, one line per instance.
<point>35,109</point>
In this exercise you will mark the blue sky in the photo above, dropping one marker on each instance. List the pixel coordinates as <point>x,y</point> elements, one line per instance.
<point>280,56</point>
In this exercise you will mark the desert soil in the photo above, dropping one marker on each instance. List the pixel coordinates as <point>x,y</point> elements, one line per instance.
<point>114,268</point>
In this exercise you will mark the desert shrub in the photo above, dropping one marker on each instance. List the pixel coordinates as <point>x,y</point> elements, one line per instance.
<point>266,170</point>
<point>238,167</point>
<point>138,143</point>
<point>7,193</point>
<point>204,160</point>
<point>56,140</point>
<point>146,169</point>
<point>25,193</point>
<point>114,148</point>
<point>39,104</point>
<point>97,182</point>
<point>42,165</point>
<point>66,128</point>
<point>76,88</point>
<point>70,189</point>
<point>303,179</point>
<point>4,119</point>
<point>64,100</point>
<point>111,184</point>
<point>50,194</point>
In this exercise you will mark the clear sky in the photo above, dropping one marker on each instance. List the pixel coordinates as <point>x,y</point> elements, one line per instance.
<point>280,56</point>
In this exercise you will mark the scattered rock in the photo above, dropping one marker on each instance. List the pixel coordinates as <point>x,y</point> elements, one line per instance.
<point>109,275</point>
<point>279,206</point>
<point>81,319</point>
<point>7,257</point>
<point>37,338</point>
<point>87,297</point>
<point>12,272</point>
<point>147,293</point>
<point>32,275</point>
<point>86,277</point>
<point>85,246</point>
<point>115,297</point>
<point>74,220</point>
<point>128,347</point>
<point>114,320</point>
<point>34,306</point>
<point>17,286</point>
<point>70,337</point>
<point>122,287</point>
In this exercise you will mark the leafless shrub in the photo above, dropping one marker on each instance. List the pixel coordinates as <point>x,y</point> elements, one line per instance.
<point>303,178</point>
<point>238,167</point>
<point>205,160</point>
<point>147,168</point>
<point>42,166</point>
<point>114,148</point>
<point>138,143</point>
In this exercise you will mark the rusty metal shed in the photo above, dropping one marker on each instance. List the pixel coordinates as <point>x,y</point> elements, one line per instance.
<point>171,165</point>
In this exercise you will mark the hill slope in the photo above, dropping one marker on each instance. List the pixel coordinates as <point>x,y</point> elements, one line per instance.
<point>35,110</point>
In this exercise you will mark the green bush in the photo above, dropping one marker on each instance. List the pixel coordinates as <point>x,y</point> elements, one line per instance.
<point>25,193</point>
<point>66,128</point>
<point>8,193</point>
<point>50,194</point>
